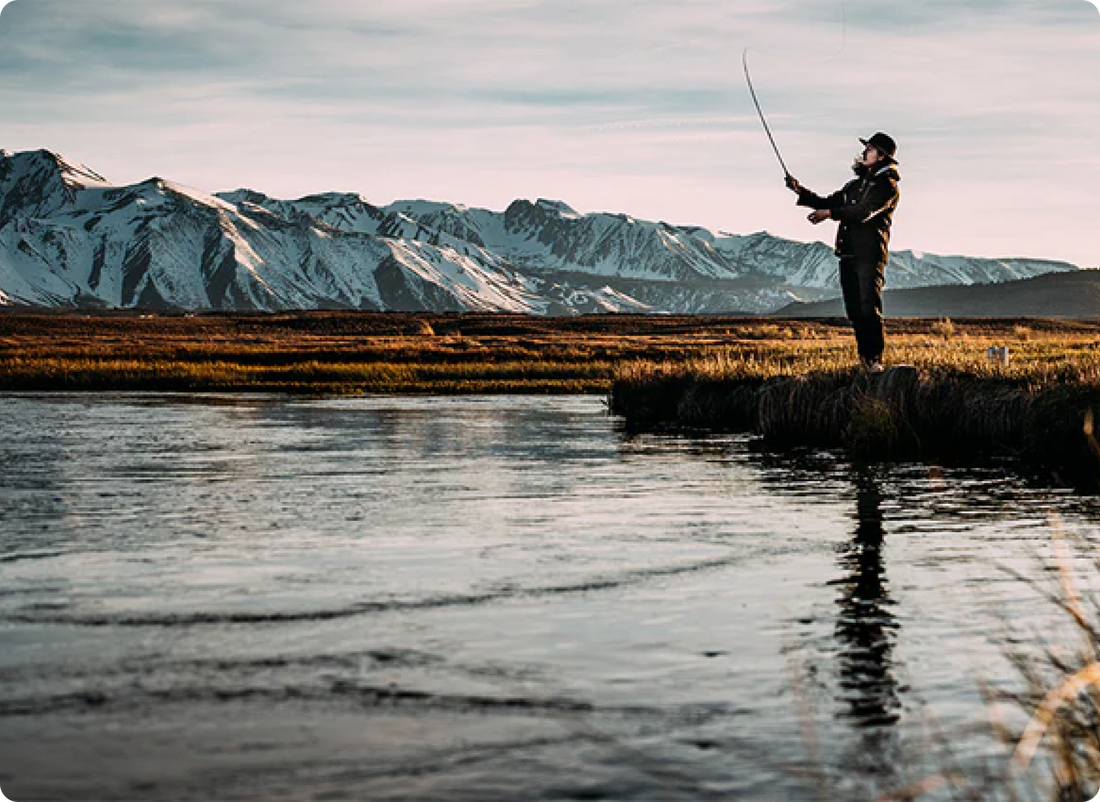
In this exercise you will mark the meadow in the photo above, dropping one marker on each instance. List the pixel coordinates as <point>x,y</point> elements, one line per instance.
<point>333,352</point>
<point>347,352</point>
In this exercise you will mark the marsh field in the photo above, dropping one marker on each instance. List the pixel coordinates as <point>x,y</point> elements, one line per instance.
<point>349,353</point>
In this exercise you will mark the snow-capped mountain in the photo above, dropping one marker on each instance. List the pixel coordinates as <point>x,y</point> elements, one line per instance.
<point>70,238</point>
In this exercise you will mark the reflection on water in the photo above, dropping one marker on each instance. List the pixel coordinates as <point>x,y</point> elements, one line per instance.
<point>865,628</point>
<point>458,598</point>
<point>866,633</point>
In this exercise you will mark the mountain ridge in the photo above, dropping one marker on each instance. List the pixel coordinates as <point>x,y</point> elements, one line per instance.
<point>71,238</point>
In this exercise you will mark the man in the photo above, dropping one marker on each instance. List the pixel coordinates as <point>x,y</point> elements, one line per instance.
<point>864,207</point>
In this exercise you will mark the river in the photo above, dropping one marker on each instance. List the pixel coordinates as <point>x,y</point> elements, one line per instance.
<point>489,598</point>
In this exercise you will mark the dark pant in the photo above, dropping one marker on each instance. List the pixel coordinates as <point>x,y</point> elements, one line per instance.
<point>862,285</point>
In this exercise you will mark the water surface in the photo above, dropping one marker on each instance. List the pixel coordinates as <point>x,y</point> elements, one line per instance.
<point>248,598</point>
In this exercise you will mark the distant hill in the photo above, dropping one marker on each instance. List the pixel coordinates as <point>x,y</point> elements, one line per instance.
<point>1067,295</point>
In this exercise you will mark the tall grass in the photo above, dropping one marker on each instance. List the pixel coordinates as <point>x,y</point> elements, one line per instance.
<point>948,399</point>
<point>1035,361</point>
<point>303,376</point>
<point>356,352</point>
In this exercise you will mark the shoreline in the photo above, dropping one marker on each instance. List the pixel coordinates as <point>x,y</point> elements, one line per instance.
<point>789,381</point>
<point>901,414</point>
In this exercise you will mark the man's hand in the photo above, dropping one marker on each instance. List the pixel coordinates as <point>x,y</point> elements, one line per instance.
<point>792,183</point>
<point>819,215</point>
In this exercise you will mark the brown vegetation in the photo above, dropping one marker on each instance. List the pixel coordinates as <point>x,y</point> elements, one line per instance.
<point>331,352</point>
<point>950,399</point>
<point>341,352</point>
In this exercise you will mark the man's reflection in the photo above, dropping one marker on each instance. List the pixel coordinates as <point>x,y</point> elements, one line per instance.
<point>865,628</point>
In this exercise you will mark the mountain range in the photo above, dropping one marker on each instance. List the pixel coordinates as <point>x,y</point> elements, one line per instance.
<point>69,238</point>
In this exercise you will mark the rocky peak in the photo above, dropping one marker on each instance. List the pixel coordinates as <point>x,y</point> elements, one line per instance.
<point>38,183</point>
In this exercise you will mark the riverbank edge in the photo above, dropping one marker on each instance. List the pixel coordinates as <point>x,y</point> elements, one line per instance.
<point>900,414</point>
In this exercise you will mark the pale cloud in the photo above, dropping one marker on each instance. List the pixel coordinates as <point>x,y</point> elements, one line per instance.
<point>626,105</point>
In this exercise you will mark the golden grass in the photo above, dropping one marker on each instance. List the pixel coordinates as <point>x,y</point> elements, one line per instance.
<point>1054,358</point>
<point>344,352</point>
<point>956,401</point>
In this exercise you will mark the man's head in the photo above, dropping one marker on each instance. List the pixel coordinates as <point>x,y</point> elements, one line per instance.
<point>880,147</point>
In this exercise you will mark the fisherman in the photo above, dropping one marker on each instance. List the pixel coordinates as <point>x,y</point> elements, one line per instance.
<point>864,207</point>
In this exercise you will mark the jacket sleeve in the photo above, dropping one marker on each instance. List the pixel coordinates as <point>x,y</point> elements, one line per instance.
<point>882,195</point>
<point>815,201</point>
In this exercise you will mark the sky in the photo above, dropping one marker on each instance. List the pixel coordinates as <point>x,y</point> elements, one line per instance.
<point>631,106</point>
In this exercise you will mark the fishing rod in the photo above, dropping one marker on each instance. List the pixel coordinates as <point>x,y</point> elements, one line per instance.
<point>759,111</point>
<point>756,102</point>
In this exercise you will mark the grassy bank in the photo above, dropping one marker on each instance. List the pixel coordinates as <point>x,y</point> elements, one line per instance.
<point>951,400</point>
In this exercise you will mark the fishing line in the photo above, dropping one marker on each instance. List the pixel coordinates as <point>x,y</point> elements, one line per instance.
<point>752,89</point>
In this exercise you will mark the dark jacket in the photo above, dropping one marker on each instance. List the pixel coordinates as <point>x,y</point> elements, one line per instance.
<point>865,208</point>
